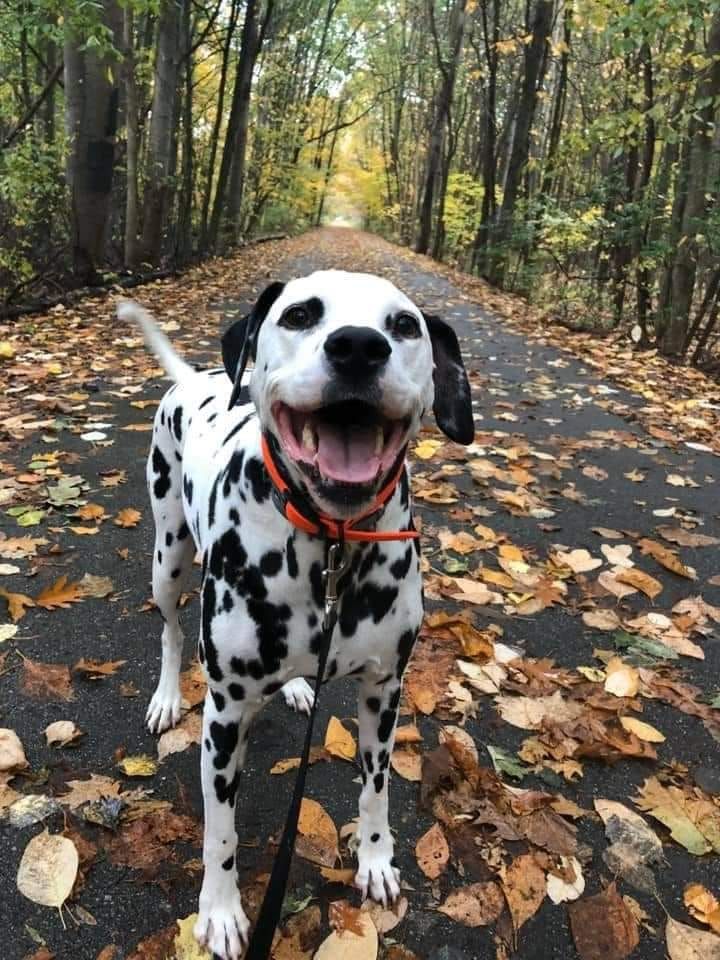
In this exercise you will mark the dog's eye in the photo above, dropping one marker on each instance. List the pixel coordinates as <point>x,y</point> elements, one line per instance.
<point>405,325</point>
<point>297,318</point>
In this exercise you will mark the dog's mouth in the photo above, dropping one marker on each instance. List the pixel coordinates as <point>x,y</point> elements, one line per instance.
<point>350,443</point>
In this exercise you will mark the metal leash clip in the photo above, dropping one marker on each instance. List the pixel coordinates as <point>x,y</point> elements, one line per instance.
<point>335,569</point>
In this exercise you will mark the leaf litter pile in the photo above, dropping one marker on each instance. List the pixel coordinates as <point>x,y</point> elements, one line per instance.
<point>556,787</point>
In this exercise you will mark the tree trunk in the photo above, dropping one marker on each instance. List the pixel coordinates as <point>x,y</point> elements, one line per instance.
<point>448,71</point>
<point>694,189</point>
<point>228,195</point>
<point>91,106</point>
<point>183,243</point>
<point>534,58</point>
<point>158,186</point>
<point>133,142</point>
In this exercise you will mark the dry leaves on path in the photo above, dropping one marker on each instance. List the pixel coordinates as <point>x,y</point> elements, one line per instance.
<point>688,813</point>
<point>46,681</point>
<point>317,835</point>
<point>688,943</point>
<point>603,926</point>
<point>475,905</point>
<point>48,868</point>
<point>432,852</point>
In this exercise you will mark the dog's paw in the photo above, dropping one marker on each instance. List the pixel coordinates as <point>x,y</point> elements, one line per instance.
<point>377,877</point>
<point>299,695</point>
<point>164,710</point>
<point>223,928</point>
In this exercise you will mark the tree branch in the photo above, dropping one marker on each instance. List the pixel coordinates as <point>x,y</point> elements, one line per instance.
<point>24,121</point>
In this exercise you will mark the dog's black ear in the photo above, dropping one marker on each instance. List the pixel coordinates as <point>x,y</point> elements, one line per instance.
<point>453,404</point>
<point>240,340</point>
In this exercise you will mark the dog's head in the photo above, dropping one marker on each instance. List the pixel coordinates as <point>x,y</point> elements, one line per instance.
<point>345,368</point>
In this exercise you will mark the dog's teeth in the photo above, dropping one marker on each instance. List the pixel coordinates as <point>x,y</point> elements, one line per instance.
<point>379,440</point>
<point>308,438</point>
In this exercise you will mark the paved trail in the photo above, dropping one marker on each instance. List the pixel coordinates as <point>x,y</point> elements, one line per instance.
<point>529,398</point>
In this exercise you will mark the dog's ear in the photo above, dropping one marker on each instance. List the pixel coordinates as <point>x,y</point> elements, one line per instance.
<point>239,341</point>
<point>453,404</point>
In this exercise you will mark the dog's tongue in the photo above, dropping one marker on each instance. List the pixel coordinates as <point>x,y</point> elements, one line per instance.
<point>347,455</point>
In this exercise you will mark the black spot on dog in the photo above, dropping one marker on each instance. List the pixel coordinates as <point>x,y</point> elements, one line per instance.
<point>162,468</point>
<point>387,722</point>
<point>312,621</point>
<point>233,471</point>
<point>183,531</point>
<point>404,486</point>
<point>404,649</point>
<point>177,423</point>
<point>162,418</point>
<point>271,563</point>
<point>169,539</point>
<point>372,558</point>
<point>373,704</point>
<point>234,516</point>
<point>212,502</point>
<point>211,417</point>
<point>271,623</point>
<point>400,568</point>
<point>257,477</point>
<point>292,564</point>
<point>218,700</point>
<point>228,602</point>
<point>236,691</point>
<point>209,601</point>
<point>270,688</point>
<point>374,838</point>
<point>237,428</point>
<point>159,556</point>
<point>228,559</point>
<point>188,488</point>
<point>255,669</point>
<point>331,670</point>
<point>228,864</point>
<point>383,759</point>
<point>368,761</point>
<point>369,601</point>
<point>175,573</point>
<point>201,651</point>
<point>224,791</point>
<point>205,402</point>
<point>225,739</point>
<point>237,665</point>
<point>379,781</point>
<point>394,700</point>
<point>316,642</point>
<point>317,586</point>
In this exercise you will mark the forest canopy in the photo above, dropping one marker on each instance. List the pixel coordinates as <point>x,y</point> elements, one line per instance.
<point>565,150</point>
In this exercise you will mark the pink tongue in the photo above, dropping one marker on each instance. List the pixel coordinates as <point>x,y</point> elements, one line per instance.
<point>347,456</point>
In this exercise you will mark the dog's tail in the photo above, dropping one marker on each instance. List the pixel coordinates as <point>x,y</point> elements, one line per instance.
<point>157,342</point>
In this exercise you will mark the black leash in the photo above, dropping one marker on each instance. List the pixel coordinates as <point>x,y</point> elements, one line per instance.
<point>271,909</point>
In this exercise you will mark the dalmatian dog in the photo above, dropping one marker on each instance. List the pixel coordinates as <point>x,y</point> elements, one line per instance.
<point>345,368</point>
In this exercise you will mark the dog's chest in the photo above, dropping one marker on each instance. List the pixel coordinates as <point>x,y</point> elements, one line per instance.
<point>263,593</point>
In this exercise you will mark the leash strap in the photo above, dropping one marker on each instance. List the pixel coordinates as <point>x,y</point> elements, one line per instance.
<point>271,909</point>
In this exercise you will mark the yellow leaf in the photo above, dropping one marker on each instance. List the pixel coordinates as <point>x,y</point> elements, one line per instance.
<point>702,905</point>
<point>339,741</point>
<point>622,680</point>
<point>128,517</point>
<point>60,594</point>
<point>186,946</point>
<point>17,604</point>
<point>642,730</point>
<point>48,869</point>
<point>139,766</point>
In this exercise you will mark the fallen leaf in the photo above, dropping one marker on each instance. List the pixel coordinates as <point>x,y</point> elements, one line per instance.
<point>359,943</point>
<point>643,730</point>
<point>579,561</point>
<point>386,918</point>
<point>689,943</point>
<point>524,885</point>
<point>128,517</point>
<point>475,905</point>
<point>432,852</point>
<point>603,927</point>
<point>640,581</point>
<point>407,764</point>
<point>180,737</point>
<point>18,604</point>
<point>12,754</point>
<point>62,732</point>
<point>634,847</point>
<point>186,946</point>
<point>702,905</point>
<point>88,791</point>
<point>48,869</point>
<point>46,681</point>
<point>95,587</point>
<point>528,713</point>
<point>338,741</point>
<point>139,766</point>
<point>59,594</point>
<point>97,668</point>
<point>667,558</point>
<point>7,631</point>
<point>560,890</point>
<point>691,817</point>
<point>318,837</point>
<point>621,680</point>
<point>19,548</point>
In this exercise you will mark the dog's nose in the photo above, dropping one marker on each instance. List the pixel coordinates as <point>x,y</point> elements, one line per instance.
<point>357,351</point>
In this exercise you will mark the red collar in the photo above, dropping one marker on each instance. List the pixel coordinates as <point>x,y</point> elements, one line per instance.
<point>320,524</point>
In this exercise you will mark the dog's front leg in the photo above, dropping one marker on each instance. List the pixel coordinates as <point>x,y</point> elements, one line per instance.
<point>377,716</point>
<point>222,926</point>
